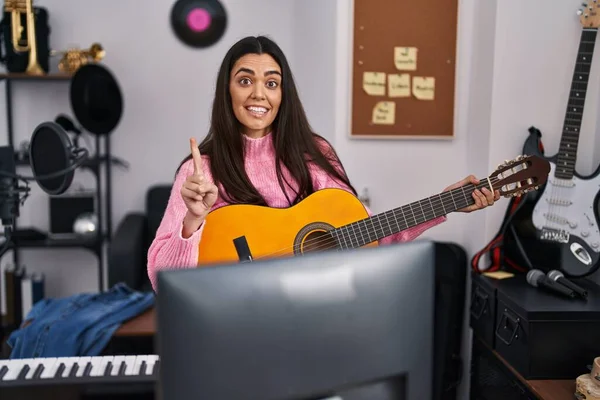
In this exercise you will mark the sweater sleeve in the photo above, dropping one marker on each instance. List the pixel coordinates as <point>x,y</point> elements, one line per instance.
<point>169,249</point>
<point>322,180</point>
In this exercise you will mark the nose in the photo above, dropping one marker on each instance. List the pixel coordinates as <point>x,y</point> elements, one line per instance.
<point>258,92</point>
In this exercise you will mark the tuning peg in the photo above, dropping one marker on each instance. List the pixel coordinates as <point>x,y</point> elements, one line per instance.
<point>579,12</point>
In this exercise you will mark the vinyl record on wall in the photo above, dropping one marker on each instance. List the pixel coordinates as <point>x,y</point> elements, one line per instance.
<point>198,23</point>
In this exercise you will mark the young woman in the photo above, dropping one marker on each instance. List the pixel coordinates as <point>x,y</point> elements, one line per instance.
<point>260,149</point>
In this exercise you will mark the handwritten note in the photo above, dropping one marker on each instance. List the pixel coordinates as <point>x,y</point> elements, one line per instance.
<point>374,83</point>
<point>399,85</point>
<point>405,58</point>
<point>384,113</point>
<point>423,87</point>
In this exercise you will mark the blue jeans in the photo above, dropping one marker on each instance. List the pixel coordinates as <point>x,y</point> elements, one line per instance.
<point>78,325</point>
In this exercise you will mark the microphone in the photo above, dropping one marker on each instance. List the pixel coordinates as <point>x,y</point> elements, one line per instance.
<point>10,192</point>
<point>559,277</point>
<point>537,278</point>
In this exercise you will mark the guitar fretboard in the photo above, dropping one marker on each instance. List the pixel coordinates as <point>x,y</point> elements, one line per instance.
<point>567,155</point>
<point>376,227</point>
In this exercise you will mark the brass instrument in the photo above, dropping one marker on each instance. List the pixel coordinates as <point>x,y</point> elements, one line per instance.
<point>16,8</point>
<point>73,59</point>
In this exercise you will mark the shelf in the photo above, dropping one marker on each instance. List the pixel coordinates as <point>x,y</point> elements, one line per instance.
<point>57,242</point>
<point>31,237</point>
<point>54,76</point>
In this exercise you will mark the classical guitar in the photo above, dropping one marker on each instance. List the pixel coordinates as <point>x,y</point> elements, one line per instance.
<point>557,227</point>
<point>331,219</point>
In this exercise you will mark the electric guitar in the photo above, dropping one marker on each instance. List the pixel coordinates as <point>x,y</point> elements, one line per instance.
<point>557,227</point>
<point>334,219</point>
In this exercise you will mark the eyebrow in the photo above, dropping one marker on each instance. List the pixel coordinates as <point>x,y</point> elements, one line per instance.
<point>249,71</point>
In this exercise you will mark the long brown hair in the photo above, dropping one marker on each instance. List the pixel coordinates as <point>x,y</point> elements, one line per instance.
<point>294,140</point>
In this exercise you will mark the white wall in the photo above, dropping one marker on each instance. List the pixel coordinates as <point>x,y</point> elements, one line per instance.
<point>514,65</point>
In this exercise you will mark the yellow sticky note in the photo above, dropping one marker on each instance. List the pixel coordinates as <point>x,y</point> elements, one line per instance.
<point>399,85</point>
<point>374,83</point>
<point>384,113</point>
<point>499,274</point>
<point>405,58</point>
<point>423,87</point>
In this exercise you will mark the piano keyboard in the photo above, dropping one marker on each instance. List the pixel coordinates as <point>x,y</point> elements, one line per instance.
<point>75,370</point>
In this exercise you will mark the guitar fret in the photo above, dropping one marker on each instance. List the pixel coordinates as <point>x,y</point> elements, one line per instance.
<point>442,201</point>
<point>366,229</point>
<point>452,197</point>
<point>354,233</point>
<point>432,208</point>
<point>465,196</point>
<point>413,213</point>
<point>396,220</point>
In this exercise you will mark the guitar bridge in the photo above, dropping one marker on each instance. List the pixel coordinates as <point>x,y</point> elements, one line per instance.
<point>553,235</point>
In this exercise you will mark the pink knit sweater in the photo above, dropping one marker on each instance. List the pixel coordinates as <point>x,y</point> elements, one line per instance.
<point>170,250</point>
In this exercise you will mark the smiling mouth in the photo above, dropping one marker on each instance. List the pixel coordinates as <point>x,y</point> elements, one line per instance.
<point>257,111</point>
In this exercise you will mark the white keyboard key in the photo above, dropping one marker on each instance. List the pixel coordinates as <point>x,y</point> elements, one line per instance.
<point>130,362</point>
<point>33,366</point>
<point>117,365</point>
<point>13,371</point>
<point>151,363</point>
<point>81,364</point>
<point>50,366</point>
<point>96,366</point>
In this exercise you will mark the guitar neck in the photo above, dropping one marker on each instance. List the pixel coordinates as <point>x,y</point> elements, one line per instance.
<point>570,135</point>
<point>379,226</point>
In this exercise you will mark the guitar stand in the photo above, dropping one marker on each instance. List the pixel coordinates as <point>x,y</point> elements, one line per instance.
<point>243,251</point>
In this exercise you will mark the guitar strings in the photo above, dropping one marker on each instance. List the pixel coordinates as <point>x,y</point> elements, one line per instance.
<point>330,242</point>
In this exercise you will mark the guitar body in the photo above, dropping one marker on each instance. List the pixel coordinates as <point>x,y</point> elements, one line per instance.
<point>558,224</point>
<point>278,232</point>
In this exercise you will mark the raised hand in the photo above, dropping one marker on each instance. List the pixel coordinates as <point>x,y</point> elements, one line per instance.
<point>483,198</point>
<point>198,193</point>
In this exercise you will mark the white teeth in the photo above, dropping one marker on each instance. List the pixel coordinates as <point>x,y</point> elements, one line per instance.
<point>257,109</point>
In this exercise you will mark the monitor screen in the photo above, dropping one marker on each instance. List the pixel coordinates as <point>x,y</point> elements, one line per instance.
<point>349,325</point>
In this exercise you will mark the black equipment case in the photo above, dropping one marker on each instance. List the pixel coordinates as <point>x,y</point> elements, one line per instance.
<point>542,335</point>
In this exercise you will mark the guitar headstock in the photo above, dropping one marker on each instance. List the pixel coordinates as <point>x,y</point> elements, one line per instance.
<point>521,175</point>
<point>589,15</point>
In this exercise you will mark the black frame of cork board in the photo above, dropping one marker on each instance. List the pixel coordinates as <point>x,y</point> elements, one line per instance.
<point>403,69</point>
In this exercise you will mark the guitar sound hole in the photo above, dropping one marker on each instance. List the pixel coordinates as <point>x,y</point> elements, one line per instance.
<point>318,241</point>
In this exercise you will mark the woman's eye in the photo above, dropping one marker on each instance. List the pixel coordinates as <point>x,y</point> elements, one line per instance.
<point>272,84</point>
<point>245,81</point>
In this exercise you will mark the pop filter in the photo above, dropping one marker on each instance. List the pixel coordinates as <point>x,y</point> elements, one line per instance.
<point>53,158</point>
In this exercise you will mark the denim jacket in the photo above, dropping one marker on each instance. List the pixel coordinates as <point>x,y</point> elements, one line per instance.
<point>78,325</point>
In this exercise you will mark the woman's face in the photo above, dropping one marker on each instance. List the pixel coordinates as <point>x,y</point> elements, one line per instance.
<point>255,88</point>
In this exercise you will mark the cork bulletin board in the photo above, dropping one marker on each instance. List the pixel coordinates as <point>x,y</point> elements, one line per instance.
<point>403,69</point>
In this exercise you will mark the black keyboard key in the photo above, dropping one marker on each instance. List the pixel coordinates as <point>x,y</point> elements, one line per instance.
<point>88,369</point>
<point>3,371</point>
<point>143,368</point>
<point>122,369</point>
<point>38,371</point>
<point>108,368</point>
<point>73,370</point>
<point>156,366</point>
<point>60,370</point>
<point>23,372</point>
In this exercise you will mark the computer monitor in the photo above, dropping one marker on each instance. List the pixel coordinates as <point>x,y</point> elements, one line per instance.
<point>356,324</point>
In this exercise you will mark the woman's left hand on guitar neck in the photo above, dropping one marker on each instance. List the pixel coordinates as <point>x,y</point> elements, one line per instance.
<point>483,198</point>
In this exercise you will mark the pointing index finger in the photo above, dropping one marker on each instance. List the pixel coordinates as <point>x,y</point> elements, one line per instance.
<point>196,157</point>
